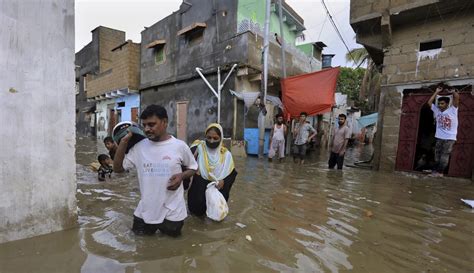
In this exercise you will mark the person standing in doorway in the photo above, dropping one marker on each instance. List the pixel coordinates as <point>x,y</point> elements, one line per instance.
<point>277,139</point>
<point>446,128</point>
<point>340,138</point>
<point>159,160</point>
<point>302,133</point>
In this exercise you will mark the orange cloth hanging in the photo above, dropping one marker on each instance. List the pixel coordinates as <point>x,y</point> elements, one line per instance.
<point>312,93</point>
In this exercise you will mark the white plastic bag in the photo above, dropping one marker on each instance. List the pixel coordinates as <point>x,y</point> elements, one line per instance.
<point>217,208</point>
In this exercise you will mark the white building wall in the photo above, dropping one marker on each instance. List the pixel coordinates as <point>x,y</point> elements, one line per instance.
<point>37,163</point>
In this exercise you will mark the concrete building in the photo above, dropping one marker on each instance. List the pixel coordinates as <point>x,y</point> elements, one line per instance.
<point>417,44</point>
<point>87,62</point>
<point>37,173</point>
<point>211,35</point>
<point>114,87</point>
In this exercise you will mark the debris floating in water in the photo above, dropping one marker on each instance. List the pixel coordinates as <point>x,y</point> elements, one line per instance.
<point>240,225</point>
<point>248,238</point>
<point>469,202</point>
<point>368,213</point>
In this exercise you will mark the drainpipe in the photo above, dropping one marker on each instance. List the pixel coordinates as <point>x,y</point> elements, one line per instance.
<point>283,59</point>
<point>263,96</point>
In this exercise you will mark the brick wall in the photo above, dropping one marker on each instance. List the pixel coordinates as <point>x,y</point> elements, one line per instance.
<point>388,128</point>
<point>369,8</point>
<point>124,72</point>
<point>134,66</point>
<point>456,59</point>
<point>108,39</point>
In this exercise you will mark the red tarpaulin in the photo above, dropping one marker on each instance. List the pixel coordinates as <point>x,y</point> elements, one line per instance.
<point>312,93</point>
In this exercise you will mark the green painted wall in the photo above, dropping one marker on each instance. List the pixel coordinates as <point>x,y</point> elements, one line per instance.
<point>255,11</point>
<point>307,49</point>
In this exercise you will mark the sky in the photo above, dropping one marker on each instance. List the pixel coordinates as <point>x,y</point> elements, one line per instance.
<point>132,16</point>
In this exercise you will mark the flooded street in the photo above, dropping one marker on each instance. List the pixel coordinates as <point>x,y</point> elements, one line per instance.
<point>299,218</point>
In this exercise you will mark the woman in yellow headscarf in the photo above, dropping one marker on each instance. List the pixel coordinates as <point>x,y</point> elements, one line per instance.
<point>215,164</point>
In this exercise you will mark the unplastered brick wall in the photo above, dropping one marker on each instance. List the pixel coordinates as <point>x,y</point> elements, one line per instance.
<point>404,63</point>
<point>108,39</point>
<point>134,66</point>
<point>363,8</point>
<point>388,130</point>
<point>123,73</point>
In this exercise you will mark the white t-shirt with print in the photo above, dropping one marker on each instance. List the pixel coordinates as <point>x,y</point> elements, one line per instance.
<point>446,122</point>
<point>156,162</point>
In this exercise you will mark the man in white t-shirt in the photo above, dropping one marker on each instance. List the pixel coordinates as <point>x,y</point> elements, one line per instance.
<point>446,127</point>
<point>159,160</point>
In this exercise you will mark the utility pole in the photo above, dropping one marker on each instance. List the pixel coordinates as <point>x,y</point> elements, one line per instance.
<point>263,96</point>
<point>283,67</point>
<point>283,58</point>
<point>219,86</point>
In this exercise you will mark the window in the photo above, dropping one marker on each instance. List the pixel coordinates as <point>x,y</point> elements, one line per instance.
<point>193,33</point>
<point>425,46</point>
<point>159,52</point>
<point>158,47</point>
<point>194,37</point>
<point>121,104</point>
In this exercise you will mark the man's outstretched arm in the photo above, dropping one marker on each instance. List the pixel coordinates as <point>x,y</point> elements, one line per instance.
<point>455,97</point>
<point>433,97</point>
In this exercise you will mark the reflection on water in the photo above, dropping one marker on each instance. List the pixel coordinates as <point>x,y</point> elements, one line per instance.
<point>300,219</point>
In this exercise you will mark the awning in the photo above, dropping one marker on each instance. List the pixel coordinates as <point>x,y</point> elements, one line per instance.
<point>192,27</point>
<point>312,93</point>
<point>156,43</point>
<point>88,109</point>
<point>368,120</point>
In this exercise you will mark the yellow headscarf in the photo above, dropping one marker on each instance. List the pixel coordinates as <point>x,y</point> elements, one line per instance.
<point>215,164</point>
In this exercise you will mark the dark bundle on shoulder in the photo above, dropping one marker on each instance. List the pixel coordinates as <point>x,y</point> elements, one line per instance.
<point>121,130</point>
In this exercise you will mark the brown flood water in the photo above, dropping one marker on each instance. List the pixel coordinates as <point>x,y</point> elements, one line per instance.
<point>300,219</point>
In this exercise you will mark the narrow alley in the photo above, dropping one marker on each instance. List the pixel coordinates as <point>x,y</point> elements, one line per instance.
<point>299,219</point>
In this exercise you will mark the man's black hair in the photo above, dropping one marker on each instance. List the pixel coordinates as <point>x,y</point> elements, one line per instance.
<point>108,139</point>
<point>154,110</point>
<point>304,114</point>
<point>278,115</point>
<point>445,99</point>
<point>102,157</point>
<point>343,116</point>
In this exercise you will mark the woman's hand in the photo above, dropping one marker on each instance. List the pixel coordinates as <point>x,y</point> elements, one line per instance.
<point>220,184</point>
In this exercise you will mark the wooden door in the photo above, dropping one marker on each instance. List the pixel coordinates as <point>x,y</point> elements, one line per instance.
<point>462,157</point>
<point>134,114</point>
<point>408,132</point>
<point>112,121</point>
<point>461,163</point>
<point>181,117</point>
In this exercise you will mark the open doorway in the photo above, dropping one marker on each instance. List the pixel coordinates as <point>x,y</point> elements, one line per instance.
<point>424,155</point>
<point>417,129</point>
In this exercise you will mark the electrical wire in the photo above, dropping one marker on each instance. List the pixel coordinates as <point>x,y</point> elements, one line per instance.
<point>337,30</point>
<point>322,27</point>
